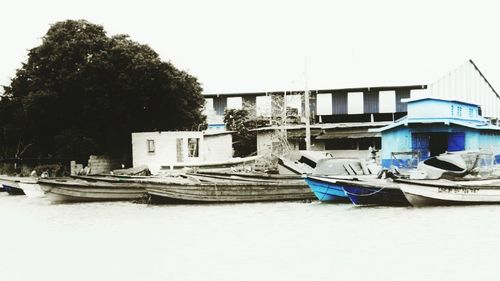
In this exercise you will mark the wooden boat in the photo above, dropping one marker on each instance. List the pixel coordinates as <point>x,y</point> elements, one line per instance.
<point>243,177</point>
<point>11,185</point>
<point>31,187</point>
<point>446,192</point>
<point>72,190</point>
<point>106,188</point>
<point>227,192</point>
<point>225,165</point>
<point>374,192</point>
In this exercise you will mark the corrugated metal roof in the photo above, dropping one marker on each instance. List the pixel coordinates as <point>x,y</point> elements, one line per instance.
<point>328,126</point>
<point>432,98</point>
<point>348,135</point>
<point>446,121</point>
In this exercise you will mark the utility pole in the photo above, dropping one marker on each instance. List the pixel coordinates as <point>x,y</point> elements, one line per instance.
<point>307,109</point>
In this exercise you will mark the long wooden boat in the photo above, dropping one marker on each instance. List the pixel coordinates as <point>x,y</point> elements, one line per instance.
<point>446,192</point>
<point>30,187</point>
<point>107,188</point>
<point>226,192</point>
<point>327,189</point>
<point>243,177</point>
<point>11,185</point>
<point>71,190</point>
<point>374,192</point>
<point>224,165</point>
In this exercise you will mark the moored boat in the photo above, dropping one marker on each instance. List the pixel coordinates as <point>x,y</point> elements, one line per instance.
<point>221,166</point>
<point>11,185</point>
<point>374,192</point>
<point>324,179</point>
<point>327,189</point>
<point>300,162</point>
<point>445,192</point>
<point>243,177</point>
<point>71,190</point>
<point>229,192</point>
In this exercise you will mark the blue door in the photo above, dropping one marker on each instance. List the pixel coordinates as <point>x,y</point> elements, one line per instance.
<point>456,141</point>
<point>420,142</point>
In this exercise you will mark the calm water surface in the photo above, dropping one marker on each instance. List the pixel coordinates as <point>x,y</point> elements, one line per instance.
<point>262,241</point>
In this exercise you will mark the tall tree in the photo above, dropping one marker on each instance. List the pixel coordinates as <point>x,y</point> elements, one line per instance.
<point>82,92</point>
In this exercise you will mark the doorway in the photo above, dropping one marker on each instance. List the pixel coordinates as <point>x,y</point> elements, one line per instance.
<point>438,143</point>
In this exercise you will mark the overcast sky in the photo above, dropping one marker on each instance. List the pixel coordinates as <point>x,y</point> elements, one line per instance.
<point>262,45</point>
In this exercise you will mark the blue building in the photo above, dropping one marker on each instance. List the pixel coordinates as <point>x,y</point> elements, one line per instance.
<point>434,126</point>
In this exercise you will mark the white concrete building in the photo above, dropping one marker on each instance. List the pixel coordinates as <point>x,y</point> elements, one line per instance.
<point>157,149</point>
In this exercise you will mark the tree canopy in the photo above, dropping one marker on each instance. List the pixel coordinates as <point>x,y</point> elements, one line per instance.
<point>82,92</point>
<point>242,122</point>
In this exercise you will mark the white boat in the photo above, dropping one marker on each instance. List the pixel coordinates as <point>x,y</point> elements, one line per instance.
<point>31,187</point>
<point>446,192</point>
<point>300,162</point>
<point>442,165</point>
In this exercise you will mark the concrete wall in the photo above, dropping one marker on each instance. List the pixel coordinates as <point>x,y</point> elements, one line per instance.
<point>218,148</point>
<point>102,164</point>
<point>212,148</point>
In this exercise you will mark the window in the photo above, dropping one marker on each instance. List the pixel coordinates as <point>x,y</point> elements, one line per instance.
<point>180,152</point>
<point>263,106</point>
<point>471,112</point>
<point>355,103</point>
<point>459,111</point>
<point>324,104</point>
<point>294,101</point>
<point>387,101</point>
<point>234,103</point>
<point>151,146</point>
<point>452,110</point>
<point>209,104</point>
<point>193,147</point>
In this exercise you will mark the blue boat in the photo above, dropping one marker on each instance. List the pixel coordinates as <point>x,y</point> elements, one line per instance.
<point>326,189</point>
<point>376,192</point>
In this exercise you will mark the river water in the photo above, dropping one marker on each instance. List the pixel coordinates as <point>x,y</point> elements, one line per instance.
<point>258,241</point>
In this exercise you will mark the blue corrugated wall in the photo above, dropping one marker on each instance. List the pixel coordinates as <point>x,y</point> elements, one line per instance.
<point>460,138</point>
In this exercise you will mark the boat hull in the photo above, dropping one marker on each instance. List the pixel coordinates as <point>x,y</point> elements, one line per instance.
<point>326,190</point>
<point>420,194</point>
<point>31,189</point>
<point>362,194</point>
<point>13,190</point>
<point>229,192</point>
<point>70,193</point>
<point>11,185</point>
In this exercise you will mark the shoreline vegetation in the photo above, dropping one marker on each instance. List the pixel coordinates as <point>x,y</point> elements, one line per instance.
<point>82,92</point>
